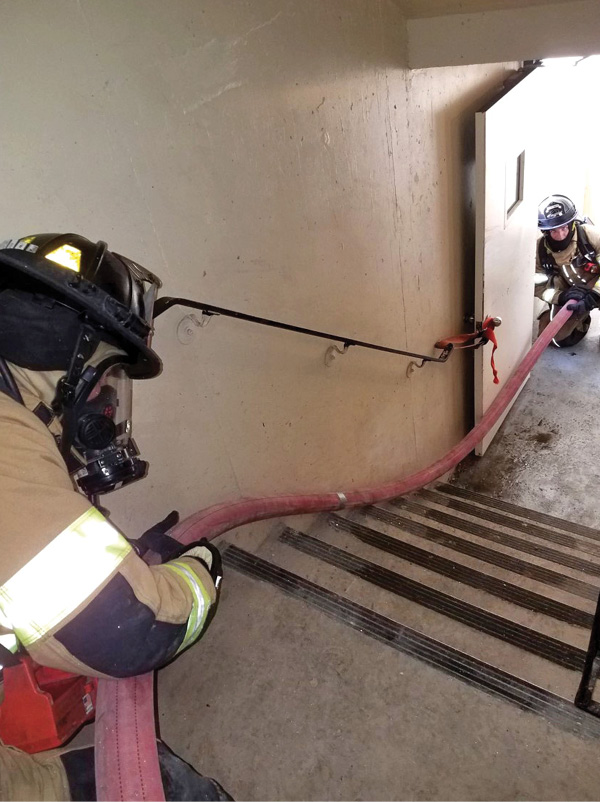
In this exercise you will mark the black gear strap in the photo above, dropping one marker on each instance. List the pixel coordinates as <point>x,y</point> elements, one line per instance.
<point>8,384</point>
<point>9,387</point>
<point>546,257</point>
<point>584,245</point>
<point>156,539</point>
<point>66,394</point>
<point>7,658</point>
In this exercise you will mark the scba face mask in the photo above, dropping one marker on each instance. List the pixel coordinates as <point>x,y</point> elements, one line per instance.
<point>103,455</point>
<point>63,300</point>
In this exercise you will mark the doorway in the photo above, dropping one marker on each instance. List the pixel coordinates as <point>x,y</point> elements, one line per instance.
<point>545,456</point>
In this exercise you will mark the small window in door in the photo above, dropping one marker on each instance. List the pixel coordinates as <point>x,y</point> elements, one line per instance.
<point>515,182</point>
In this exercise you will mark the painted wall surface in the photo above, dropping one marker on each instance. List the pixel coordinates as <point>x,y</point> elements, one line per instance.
<point>275,157</point>
<point>569,28</point>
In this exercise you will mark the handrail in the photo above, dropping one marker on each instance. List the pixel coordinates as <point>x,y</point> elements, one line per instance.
<point>162,304</point>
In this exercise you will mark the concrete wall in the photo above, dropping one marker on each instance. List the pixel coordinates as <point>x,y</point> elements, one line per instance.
<point>275,157</point>
<point>531,31</point>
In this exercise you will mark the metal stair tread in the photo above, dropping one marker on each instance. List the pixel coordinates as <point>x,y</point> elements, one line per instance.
<point>509,590</point>
<point>522,512</point>
<point>503,539</point>
<point>456,634</point>
<point>525,694</point>
<point>573,543</point>
<point>565,579</point>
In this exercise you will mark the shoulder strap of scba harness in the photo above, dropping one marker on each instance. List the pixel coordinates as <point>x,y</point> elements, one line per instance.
<point>584,247</point>
<point>9,387</point>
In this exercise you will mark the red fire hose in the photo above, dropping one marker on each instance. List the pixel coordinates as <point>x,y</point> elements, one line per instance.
<point>126,755</point>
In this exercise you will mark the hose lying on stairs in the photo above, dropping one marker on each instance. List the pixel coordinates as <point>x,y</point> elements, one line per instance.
<point>126,755</point>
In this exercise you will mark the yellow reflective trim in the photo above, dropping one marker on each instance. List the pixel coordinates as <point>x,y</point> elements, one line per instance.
<point>66,256</point>
<point>200,606</point>
<point>9,642</point>
<point>61,576</point>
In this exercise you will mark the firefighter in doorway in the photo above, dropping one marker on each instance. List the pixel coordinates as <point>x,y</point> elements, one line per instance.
<point>567,267</point>
<point>75,325</point>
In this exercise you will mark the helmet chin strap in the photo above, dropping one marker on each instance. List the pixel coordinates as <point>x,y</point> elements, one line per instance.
<point>65,402</point>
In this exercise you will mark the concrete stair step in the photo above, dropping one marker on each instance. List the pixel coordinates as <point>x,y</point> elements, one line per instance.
<point>460,633</point>
<point>502,563</point>
<point>523,513</point>
<point>476,582</point>
<point>540,533</point>
<point>503,536</point>
<point>554,558</point>
<point>508,592</point>
<point>367,621</point>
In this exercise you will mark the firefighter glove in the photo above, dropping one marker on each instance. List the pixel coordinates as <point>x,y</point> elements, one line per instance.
<point>582,300</point>
<point>578,308</point>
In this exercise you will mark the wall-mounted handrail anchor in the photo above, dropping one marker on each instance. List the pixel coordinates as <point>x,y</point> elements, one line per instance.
<point>187,326</point>
<point>332,351</point>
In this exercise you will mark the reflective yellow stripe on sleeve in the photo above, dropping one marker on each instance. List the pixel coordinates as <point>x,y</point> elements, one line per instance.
<point>9,642</point>
<point>61,576</point>
<point>200,606</point>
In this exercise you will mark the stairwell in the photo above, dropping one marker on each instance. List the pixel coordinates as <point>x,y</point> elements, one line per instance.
<point>428,648</point>
<point>496,595</point>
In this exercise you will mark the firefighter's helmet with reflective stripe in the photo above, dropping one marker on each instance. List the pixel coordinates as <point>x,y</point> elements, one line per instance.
<point>61,297</point>
<point>556,211</point>
<point>49,282</point>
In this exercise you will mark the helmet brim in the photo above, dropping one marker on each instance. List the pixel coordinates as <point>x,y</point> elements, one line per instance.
<point>559,225</point>
<point>70,288</point>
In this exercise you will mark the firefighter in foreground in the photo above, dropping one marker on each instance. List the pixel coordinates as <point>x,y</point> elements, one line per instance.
<point>567,267</point>
<point>75,325</point>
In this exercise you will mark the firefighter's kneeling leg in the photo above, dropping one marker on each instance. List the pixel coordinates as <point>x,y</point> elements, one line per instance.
<point>180,780</point>
<point>579,323</point>
<point>33,777</point>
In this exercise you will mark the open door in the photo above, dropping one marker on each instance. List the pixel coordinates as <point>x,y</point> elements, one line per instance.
<point>508,169</point>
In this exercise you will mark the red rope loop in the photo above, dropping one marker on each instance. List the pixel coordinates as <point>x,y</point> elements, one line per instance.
<point>475,339</point>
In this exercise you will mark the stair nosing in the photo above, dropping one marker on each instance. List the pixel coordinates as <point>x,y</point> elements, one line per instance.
<point>538,573</point>
<point>454,663</point>
<point>522,637</point>
<point>503,589</point>
<point>523,512</point>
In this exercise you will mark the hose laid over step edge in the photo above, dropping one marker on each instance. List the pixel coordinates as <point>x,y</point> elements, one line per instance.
<point>126,756</point>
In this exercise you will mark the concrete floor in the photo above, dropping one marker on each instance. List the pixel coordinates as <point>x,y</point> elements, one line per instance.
<point>547,453</point>
<point>281,702</point>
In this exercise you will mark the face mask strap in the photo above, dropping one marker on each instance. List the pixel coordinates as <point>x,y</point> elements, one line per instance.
<point>65,402</point>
